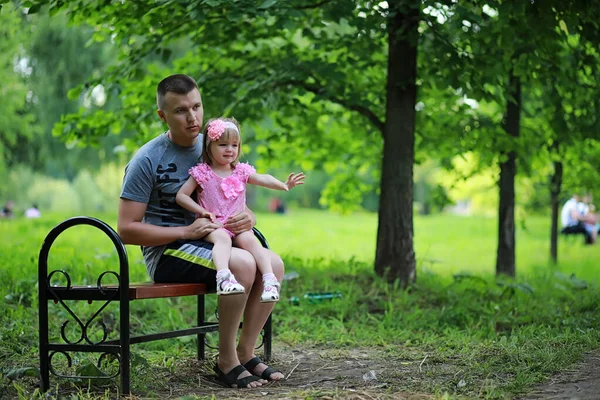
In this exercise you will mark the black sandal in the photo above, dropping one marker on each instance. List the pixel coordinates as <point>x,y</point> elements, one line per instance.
<point>266,374</point>
<point>231,378</point>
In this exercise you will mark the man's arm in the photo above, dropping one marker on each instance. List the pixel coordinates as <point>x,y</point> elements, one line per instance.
<point>133,231</point>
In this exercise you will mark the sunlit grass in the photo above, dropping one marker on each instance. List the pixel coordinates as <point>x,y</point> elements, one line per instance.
<point>444,244</point>
<point>476,326</point>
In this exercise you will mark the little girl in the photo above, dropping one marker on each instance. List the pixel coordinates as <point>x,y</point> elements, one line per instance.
<point>220,182</point>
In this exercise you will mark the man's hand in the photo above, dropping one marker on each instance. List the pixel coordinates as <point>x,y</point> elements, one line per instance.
<point>200,228</point>
<point>239,223</point>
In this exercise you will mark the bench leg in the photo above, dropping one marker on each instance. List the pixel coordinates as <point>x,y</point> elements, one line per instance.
<point>201,336</point>
<point>43,328</point>
<point>124,342</point>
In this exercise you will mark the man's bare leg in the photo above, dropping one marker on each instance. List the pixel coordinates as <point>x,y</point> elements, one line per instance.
<point>231,309</point>
<point>255,316</point>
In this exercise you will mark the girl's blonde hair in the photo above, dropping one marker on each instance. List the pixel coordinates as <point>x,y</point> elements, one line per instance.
<point>226,136</point>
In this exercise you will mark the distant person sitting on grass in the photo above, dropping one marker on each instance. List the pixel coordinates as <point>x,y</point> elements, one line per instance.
<point>220,184</point>
<point>574,222</point>
<point>277,206</point>
<point>590,218</point>
<point>7,210</point>
<point>33,212</point>
<point>171,238</point>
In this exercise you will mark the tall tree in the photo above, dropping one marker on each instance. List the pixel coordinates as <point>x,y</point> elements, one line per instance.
<point>506,48</point>
<point>316,63</point>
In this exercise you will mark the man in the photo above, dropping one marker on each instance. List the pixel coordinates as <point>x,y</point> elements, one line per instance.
<point>573,221</point>
<point>171,238</point>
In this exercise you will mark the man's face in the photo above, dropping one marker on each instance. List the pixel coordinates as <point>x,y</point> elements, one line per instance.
<point>183,114</point>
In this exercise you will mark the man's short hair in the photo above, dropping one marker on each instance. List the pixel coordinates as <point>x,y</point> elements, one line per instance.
<point>179,83</point>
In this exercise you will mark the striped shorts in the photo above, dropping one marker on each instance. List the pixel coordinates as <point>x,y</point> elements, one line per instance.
<point>187,262</point>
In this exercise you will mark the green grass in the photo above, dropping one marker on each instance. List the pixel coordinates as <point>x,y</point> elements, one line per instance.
<point>498,336</point>
<point>444,244</point>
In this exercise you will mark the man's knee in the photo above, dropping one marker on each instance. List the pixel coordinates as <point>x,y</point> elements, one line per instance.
<point>243,266</point>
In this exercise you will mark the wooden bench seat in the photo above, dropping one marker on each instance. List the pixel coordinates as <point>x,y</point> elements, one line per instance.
<point>121,293</point>
<point>137,291</point>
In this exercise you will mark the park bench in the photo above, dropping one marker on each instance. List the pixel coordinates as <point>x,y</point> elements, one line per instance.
<point>576,230</point>
<point>123,292</point>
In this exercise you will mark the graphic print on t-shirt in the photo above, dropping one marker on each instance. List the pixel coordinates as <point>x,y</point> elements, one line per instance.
<point>173,213</point>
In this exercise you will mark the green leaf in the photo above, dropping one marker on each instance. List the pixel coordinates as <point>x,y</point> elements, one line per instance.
<point>89,370</point>
<point>563,26</point>
<point>267,4</point>
<point>17,373</point>
<point>34,9</point>
<point>73,94</point>
<point>139,361</point>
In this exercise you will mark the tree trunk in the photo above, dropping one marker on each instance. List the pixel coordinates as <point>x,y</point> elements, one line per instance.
<point>505,260</point>
<point>555,188</point>
<point>395,256</point>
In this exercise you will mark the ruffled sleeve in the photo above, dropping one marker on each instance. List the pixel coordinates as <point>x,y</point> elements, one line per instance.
<point>244,170</point>
<point>200,172</point>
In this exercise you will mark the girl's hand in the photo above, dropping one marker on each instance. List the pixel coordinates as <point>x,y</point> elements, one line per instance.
<point>294,180</point>
<point>199,228</point>
<point>208,215</point>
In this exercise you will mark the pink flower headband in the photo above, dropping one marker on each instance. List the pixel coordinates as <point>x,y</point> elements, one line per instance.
<point>217,127</point>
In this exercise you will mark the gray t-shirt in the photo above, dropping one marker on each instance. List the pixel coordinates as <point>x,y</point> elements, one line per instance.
<point>153,176</point>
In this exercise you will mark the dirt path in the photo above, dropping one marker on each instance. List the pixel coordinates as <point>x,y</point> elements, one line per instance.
<point>310,373</point>
<point>366,374</point>
<point>581,382</point>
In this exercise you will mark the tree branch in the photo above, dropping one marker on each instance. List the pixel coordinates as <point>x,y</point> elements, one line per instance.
<point>320,91</point>
<point>309,6</point>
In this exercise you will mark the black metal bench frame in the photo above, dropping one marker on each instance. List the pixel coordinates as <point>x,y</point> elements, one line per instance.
<point>122,293</point>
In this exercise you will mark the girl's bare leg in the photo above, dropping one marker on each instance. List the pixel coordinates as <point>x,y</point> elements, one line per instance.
<point>221,251</point>
<point>271,284</point>
<point>247,241</point>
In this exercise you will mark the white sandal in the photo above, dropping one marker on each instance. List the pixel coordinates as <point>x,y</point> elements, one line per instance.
<point>228,285</point>
<point>270,292</point>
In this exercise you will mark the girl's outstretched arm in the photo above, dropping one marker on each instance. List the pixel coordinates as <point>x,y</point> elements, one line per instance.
<point>185,200</point>
<point>269,181</point>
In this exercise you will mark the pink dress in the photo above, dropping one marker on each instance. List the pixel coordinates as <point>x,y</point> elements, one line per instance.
<point>223,197</point>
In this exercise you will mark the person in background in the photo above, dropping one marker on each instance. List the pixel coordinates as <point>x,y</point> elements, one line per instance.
<point>33,212</point>
<point>573,221</point>
<point>7,210</point>
<point>590,218</point>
